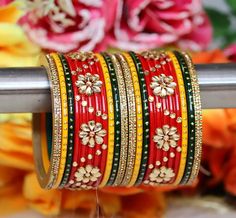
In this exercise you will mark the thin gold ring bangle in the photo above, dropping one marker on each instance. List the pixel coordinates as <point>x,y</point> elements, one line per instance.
<point>132,130</point>
<point>139,118</point>
<point>64,111</point>
<point>47,177</point>
<point>124,121</point>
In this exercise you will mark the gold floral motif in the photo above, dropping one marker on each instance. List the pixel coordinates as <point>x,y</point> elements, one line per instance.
<point>87,174</point>
<point>82,56</point>
<point>89,84</point>
<point>161,175</point>
<point>166,137</point>
<point>92,133</point>
<point>163,85</point>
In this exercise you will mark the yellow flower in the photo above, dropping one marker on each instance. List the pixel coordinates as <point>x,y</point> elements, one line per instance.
<point>15,48</point>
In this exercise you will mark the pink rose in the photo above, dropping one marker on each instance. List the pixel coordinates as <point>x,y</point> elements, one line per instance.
<point>230,52</point>
<point>5,2</point>
<point>66,25</point>
<point>146,24</point>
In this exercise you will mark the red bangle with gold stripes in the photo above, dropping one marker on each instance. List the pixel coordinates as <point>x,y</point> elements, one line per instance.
<point>99,110</point>
<point>154,116</point>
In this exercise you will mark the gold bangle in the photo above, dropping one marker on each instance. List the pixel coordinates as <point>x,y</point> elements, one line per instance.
<point>132,131</point>
<point>139,118</point>
<point>64,110</point>
<point>198,119</point>
<point>47,176</point>
<point>184,118</point>
<point>45,155</point>
<point>124,121</point>
<point>111,128</point>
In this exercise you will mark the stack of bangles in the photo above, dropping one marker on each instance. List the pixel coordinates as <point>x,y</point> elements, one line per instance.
<point>122,119</point>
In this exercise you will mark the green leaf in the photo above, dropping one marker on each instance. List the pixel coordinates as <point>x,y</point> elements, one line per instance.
<point>220,22</point>
<point>232,5</point>
<point>230,38</point>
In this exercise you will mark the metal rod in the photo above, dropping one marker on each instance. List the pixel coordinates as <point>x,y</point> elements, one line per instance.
<point>27,89</point>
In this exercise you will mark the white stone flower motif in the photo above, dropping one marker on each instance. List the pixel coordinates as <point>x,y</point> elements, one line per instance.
<point>161,175</point>
<point>87,174</point>
<point>166,137</point>
<point>163,85</point>
<point>92,133</point>
<point>89,83</point>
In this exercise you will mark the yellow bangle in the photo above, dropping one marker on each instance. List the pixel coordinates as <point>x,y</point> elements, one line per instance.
<point>139,118</point>
<point>111,130</point>
<point>184,118</point>
<point>64,110</point>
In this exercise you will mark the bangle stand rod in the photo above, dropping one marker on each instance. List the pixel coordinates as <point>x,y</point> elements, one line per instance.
<point>27,89</point>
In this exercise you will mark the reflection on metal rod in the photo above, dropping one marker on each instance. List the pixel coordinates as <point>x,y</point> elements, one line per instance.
<point>27,89</point>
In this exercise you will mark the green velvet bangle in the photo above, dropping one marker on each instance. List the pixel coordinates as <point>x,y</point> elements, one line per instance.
<point>70,99</point>
<point>191,120</point>
<point>117,119</point>
<point>144,97</point>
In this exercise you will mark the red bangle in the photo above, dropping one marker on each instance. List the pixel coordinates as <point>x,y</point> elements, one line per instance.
<point>87,101</point>
<point>163,158</point>
<point>101,107</point>
<point>177,111</point>
<point>78,121</point>
<point>89,158</point>
<point>154,115</point>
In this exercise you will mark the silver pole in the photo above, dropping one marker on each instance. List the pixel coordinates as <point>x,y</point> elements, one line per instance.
<point>27,89</point>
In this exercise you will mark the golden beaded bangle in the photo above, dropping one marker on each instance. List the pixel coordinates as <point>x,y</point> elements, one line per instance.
<point>111,128</point>
<point>132,130</point>
<point>124,121</point>
<point>139,118</point>
<point>47,177</point>
<point>64,109</point>
<point>184,119</point>
<point>198,119</point>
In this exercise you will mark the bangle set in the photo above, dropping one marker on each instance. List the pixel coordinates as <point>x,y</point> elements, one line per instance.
<point>123,119</point>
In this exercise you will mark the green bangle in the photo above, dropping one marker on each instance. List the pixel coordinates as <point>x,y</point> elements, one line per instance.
<point>70,99</point>
<point>146,138</point>
<point>191,120</point>
<point>48,128</point>
<point>117,119</point>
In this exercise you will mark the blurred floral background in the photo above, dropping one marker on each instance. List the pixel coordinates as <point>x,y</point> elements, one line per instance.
<point>29,27</point>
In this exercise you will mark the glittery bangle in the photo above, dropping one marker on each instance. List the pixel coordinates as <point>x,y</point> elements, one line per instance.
<point>132,130</point>
<point>64,109</point>
<point>191,121</point>
<point>145,115</point>
<point>110,146</point>
<point>117,120</point>
<point>47,177</point>
<point>70,142</point>
<point>124,121</point>
<point>184,119</point>
<point>198,119</point>
<point>139,118</point>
